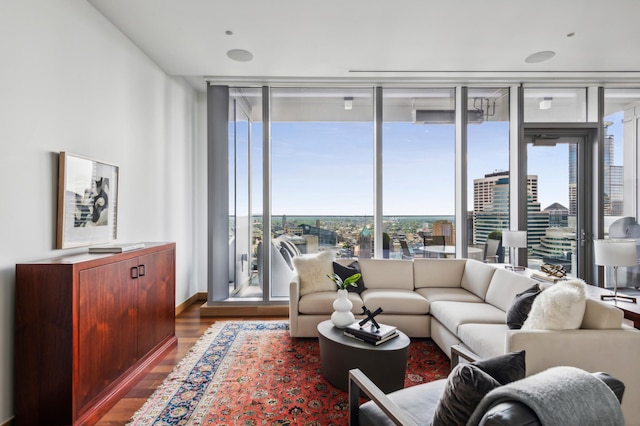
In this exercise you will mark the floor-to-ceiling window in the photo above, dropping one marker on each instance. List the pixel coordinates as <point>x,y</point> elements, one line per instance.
<point>245,192</point>
<point>326,173</point>
<point>418,172</point>
<point>621,111</point>
<point>487,172</point>
<point>557,226</point>
<point>321,176</point>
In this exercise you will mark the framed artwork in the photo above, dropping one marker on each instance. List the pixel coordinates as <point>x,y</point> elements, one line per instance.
<point>87,202</point>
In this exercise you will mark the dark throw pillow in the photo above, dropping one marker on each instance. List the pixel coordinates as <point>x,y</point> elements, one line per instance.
<point>345,272</point>
<point>465,388</point>
<point>505,368</point>
<point>521,306</point>
<point>469,383</point>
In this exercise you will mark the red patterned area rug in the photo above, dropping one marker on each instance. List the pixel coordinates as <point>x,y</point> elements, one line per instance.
<point>254,373</point>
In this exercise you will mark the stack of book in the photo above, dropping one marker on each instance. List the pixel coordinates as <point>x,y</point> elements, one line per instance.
<point>541,276</point>
<point>369,334</point>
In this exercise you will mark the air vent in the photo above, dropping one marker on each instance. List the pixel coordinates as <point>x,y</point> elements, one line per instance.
<point>441,116</point>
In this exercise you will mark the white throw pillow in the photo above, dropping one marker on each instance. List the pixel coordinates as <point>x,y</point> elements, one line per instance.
<point>559,307</point>
<point>313,270</point>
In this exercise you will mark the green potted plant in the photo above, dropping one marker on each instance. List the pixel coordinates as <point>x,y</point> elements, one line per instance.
<point>343,285</point>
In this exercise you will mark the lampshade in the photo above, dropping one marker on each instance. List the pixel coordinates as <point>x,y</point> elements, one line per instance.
<point>615,252</point>
<point>514,238</point>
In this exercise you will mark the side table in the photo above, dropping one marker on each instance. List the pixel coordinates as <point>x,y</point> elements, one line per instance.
<point>385,364</point>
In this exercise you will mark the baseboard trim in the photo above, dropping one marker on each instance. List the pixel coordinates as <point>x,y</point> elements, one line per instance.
<point>244,311</point>
<point>202,296</point>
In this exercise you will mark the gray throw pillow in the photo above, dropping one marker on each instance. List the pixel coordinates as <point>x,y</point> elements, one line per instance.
<point>469,383</point>
<point>465,388</point>
<point>505,368</point>
<point>521,306</point>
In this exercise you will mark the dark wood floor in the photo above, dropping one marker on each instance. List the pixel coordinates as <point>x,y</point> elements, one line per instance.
<point>189,327</point>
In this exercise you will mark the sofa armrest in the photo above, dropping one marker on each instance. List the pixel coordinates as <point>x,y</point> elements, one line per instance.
<point>358,382</point>
<point>294,298</point>
<point>614,351</point>
<point>586,349</point>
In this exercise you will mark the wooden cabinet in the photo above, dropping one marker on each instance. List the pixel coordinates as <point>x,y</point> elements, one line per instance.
<point>87,328</point>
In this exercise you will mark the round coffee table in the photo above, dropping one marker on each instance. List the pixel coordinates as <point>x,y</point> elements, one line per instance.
<point>385,364</point>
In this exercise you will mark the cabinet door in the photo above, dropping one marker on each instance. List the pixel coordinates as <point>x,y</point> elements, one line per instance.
<point>107,332</point>
<point>156,299</point>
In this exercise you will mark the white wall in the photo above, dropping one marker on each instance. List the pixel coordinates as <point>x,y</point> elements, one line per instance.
<point>70,81</point>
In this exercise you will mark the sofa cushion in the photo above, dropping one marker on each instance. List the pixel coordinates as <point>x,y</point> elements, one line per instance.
<point>453,314</point>
<point>466,386</point>
<point>345,272</point>
<point>321,302</point>
<point>455,294</point>
<point>438,272</point>
<point>521,306</point>
<point>395,301</point>
<point>485,340</point>
<point>313,270</point>
<point>560,307</point>
<point>504,286</point>
<point>476,277</point>
<point>387,273</point>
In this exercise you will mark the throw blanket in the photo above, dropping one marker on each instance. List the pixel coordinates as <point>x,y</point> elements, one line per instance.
<point>559,396</point>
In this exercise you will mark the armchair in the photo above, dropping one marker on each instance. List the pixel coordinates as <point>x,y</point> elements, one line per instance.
<point>416,405</point>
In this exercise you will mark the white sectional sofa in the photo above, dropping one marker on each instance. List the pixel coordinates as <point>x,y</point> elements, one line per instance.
<point>464,302</point>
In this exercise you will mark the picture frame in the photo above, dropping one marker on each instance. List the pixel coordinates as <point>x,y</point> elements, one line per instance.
<point>87,201</point>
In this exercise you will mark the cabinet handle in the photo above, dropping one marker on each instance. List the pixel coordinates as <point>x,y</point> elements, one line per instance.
<point>134,272</point>
<point>143,270</point>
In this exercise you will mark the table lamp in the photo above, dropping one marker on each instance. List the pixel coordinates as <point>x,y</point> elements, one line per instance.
<point>515,239</point>
<point>615,253</point>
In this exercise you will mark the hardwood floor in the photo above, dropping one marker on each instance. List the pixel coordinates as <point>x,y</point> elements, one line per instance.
<point>189,327</point>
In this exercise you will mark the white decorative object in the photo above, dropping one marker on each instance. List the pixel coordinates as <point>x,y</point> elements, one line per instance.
<point>559,307</point>
<point>342,316</point>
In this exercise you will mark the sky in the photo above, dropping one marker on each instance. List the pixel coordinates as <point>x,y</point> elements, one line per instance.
<point>321,168</point>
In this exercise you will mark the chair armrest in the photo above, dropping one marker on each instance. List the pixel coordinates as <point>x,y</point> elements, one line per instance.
<point>459,351</point>
<point>358,381</point>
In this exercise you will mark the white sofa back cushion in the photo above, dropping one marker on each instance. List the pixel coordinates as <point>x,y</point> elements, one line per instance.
<point>504,286</point>
<point>387,273</point>
<point>438,272</point>
<point>476,277</point>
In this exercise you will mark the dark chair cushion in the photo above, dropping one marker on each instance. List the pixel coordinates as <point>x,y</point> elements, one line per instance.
<point>521,306</point>
<point>345,272</point>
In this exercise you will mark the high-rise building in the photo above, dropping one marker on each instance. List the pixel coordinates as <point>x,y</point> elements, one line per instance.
<point>491,202</point>
<point>613,180</point>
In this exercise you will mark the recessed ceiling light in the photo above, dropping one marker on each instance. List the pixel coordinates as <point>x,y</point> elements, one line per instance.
<point>540,57</point>
<point>240,55</point>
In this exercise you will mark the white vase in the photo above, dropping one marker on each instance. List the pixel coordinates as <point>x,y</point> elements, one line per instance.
<point>342,316</point>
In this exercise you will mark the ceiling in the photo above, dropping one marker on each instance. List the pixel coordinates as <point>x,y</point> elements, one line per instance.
<point>383,41</point>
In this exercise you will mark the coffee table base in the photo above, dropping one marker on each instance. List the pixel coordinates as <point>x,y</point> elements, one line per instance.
<point>385,365</point>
